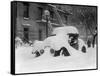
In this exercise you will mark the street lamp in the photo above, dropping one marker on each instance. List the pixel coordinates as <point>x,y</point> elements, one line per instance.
<point>47,16</point>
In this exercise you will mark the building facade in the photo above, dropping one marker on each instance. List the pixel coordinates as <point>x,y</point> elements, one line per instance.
<point>32,23</point>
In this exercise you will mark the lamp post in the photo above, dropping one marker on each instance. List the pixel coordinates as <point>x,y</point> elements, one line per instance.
<point>47,16</point>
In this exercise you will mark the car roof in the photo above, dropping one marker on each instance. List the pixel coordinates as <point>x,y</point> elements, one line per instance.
<point>65,30</point>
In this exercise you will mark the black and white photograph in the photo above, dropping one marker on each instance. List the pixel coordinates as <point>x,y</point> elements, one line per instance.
<point>51,37</point>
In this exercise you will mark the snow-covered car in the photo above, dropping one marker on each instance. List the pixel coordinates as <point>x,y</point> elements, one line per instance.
<point>62,41</point>
<point>64,38</point>
<point>58,45</point>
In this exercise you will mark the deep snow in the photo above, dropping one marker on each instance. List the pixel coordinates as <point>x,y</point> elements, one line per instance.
<point>26,63</point>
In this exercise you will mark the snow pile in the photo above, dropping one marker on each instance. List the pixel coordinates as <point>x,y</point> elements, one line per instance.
<point>38,45</point>
<point>18,42</point>
<point>61,39</point>
<point>26,63</point>
<point>57,41</point>
<point>23,53</point>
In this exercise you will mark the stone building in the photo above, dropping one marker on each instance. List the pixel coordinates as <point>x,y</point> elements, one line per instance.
<point>33,24</point>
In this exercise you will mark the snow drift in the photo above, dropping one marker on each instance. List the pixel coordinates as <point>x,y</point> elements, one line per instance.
<point>26,63</point>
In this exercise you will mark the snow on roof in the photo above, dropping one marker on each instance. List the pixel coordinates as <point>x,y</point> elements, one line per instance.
<point>65,30</point>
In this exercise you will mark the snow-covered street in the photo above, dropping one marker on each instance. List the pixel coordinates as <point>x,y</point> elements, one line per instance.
<point>26,63</point>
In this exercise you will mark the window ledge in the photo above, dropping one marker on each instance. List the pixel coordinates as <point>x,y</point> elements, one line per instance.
<point>25,18</point>
<point>44,21</point>
<point>26,24</point>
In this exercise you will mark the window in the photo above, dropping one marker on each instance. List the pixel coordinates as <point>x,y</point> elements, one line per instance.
<point>40,12</point>
<point>51,15</point>
<point>26,10</point>
<point>66,19</point>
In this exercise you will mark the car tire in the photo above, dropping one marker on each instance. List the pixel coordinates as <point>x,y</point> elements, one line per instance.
<point>57,53</point>
<point>41,51</point>
<point>37,54</point>
<point>65,51</point>
<point>52,51</point>
<point>83,49</point>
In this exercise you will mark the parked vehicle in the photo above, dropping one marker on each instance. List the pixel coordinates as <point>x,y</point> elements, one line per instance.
<point>64,37</point>
<point>60,42</point>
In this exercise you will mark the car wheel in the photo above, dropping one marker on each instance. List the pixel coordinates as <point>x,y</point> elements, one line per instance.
<point>52,51</point>
<point>83,49</point>
<point>65,51</point>
<point>41,51</point>
<point>57,53</point>
<point>37,54</point>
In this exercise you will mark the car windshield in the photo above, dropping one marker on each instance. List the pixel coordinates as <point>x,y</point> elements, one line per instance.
<point>75,36</point>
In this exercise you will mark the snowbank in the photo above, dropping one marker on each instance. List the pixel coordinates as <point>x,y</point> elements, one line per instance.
<point>18,42</point>
<point>26,63</point>
<point>38,45</point>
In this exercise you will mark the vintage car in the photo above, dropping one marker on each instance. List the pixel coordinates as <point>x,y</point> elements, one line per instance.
<point>61,42</point>
<point>64,37</point>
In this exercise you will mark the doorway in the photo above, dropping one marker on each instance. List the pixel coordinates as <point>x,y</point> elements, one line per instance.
<point>26,34</point>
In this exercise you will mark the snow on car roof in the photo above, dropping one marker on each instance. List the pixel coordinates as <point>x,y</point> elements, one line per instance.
<point>65,30</point>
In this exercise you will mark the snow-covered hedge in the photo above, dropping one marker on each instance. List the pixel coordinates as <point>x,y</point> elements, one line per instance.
<point>18,42</point>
